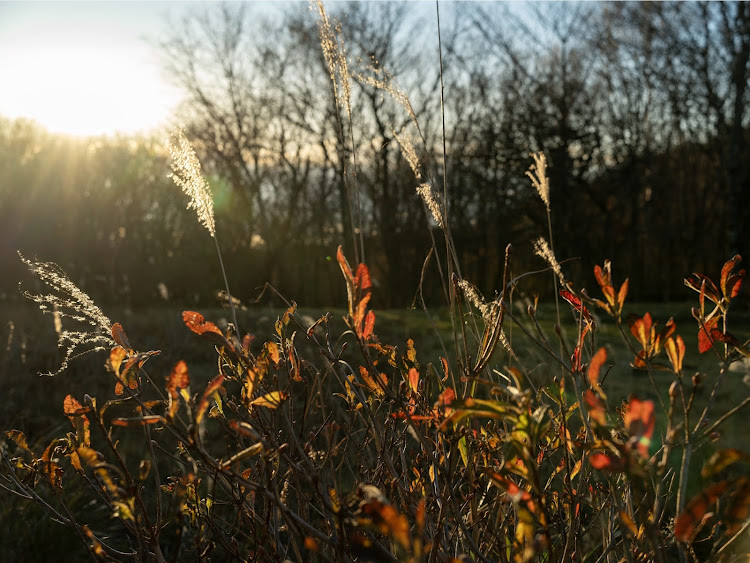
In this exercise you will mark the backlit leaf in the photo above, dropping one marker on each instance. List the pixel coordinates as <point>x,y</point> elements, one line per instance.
<point>639,419</point>
<point>198,324</point>
<point>119,336</point>
<point>731,283</point>
<point>178,379</point>
<point>414,379</point>
<point>273,352</point>
<point>411,353</point>
<point>369,326</point>
<point>706,334</point>
<point>19,438</point>
<point>595,366</point>
<point>606,462</point>
<point>676,352</point>
<point>271,400</point>
<point>686,523</point>
<point>215,384</point>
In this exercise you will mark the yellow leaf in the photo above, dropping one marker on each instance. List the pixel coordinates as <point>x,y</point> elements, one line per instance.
<point>271,400</point>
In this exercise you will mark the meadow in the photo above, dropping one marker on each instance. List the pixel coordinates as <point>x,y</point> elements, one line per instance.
<point>580,427</point>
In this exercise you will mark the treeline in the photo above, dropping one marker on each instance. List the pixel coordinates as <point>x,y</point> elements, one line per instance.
<point>641,109</point>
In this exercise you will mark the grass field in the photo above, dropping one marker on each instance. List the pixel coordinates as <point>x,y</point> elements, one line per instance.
<point>33,404</point>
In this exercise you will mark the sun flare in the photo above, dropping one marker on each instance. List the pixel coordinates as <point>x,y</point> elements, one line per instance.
<point>82,78</point>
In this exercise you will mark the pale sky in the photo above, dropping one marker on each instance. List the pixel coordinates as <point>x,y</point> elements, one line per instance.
<point>85,68</point>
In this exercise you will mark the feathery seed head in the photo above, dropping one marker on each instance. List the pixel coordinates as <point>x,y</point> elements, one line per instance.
<point>432,201</point>
<point>542,249</point>
<point>188,176</point>
<point>68,301</point>
<point>538,174</point>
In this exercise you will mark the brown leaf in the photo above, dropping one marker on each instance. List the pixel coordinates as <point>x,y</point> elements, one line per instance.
<point>119,336</point>
<point>198,324</point>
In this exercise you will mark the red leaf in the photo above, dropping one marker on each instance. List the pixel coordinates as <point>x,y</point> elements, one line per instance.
<point>691,516</point>
<point>606,462</point>
<point>575,302</point>
<point>730,284</point>
<point>705,335</point>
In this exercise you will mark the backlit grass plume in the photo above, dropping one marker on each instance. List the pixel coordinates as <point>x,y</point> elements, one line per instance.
<point>538,175</point>
<point>188,176</point>
<point>67,300</point>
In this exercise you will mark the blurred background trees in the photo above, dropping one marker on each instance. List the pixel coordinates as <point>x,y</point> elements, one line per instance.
<point>641,108</point>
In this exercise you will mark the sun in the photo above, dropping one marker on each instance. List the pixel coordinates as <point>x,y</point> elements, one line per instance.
<point>83,79</point>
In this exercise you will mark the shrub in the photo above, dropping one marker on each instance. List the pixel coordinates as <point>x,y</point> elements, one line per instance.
<point>313,444</point>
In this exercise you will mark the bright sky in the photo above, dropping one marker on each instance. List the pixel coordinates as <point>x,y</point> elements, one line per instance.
<point>85,68</point>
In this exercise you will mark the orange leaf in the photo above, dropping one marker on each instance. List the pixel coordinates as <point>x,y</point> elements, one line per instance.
<point>686,523</point>
<point>622,294</point>
<point>362,279</point>
<point>178,379</point>
<point>369,326</point>
<point>639,419</point>
<point>606,462</point>
<point>273,352</point>
<point>389,521</point>
<point>596,409</point>
<point>116,356</point>
<point>198,324</point>
<point>595,366</point>
<point>215,384</point>
<point>414,379</point>
<point>642,329</point>
<point>676,352</point>
<point>139,421</point>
